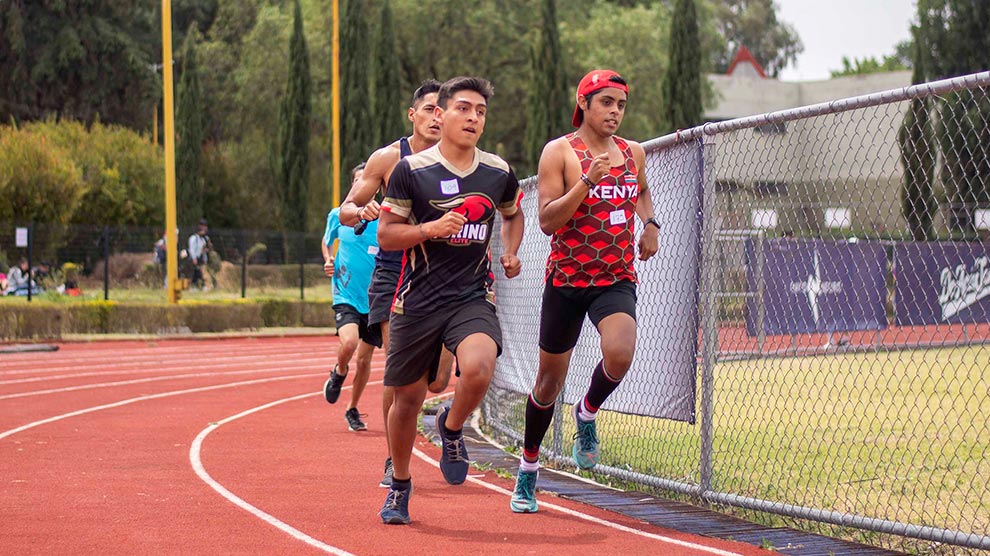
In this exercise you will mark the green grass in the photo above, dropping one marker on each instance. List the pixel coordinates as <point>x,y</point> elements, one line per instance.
<point>895,435</point>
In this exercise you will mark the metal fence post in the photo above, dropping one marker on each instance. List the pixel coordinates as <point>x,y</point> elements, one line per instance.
<point>106,263</point>
<point>244,258</point>
<point>761,309</point>
<point>29,254</point>
<point>709,314</point>
<point>557,440</point>
<point>302,270</point>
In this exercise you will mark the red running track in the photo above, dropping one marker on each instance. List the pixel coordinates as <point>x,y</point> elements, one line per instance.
<point>227,447</point>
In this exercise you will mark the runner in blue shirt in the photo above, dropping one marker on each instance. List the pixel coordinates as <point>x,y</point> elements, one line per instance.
<point>351,273</point>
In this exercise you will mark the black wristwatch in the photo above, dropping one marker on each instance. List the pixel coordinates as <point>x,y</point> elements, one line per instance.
<point>652,220</point>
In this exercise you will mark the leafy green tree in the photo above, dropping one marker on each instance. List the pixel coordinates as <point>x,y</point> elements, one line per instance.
<point>189,131</point>
<point>39,182</point>
<point>385,110</point>
<point>918,157</point>
<point>548,106</point>
<point>356,124</point>
<point>956,41</point>
<point>682,90</point>
<point>294,131</point>
<point>122,178</point>
<point>79,60</point>
<point>868,65</point>
<point>754,24</point>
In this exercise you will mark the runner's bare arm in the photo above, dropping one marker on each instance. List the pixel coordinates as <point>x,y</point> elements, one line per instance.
<point>512,233</point>
<point>395,233</point>
<point>363,192</point>
<point>558,201</point>
<point>648,241</point>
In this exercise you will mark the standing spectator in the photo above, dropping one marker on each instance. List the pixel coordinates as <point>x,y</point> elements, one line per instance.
<point>199,254</point>
<point>160,257</point>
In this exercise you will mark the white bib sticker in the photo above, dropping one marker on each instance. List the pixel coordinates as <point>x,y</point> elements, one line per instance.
<point>372,249</point>
<point>449,187</point>
<point>617,217</point>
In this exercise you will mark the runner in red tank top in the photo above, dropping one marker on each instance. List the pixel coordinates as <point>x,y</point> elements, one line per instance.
<point>589,187</point>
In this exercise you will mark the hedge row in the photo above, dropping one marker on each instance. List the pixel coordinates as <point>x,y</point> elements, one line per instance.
<point>52,321</point>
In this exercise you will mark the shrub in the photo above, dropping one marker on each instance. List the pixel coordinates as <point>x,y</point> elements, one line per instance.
<point>38,180</point>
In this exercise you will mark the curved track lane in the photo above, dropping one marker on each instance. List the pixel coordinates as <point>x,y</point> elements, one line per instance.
<point>226,446</point>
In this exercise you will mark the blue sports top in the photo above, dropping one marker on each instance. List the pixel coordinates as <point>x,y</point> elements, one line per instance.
<point>354,262</point>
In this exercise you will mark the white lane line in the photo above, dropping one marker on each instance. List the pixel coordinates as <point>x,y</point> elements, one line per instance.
<point>267,366</point>
<point>157,360</point>
<point>143,351</point>
<point>194,458</point>
<point>129,401</point>
<point>197,464</point>
<point>268,369</point>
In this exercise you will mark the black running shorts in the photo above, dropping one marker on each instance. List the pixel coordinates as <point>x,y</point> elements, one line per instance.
<point>415,342</point>
<point>564,309</point>
<point>381,292</point>
<point>347,314</point>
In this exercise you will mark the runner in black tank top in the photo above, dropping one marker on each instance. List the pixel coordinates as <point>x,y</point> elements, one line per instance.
<point>360,204</point>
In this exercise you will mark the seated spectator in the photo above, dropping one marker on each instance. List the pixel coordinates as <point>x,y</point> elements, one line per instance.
<point>19,279</point>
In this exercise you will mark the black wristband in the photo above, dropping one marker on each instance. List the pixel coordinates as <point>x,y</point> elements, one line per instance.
<point>587,181</point>
<point>652,220</point>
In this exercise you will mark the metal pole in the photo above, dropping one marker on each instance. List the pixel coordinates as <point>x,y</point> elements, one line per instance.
<point>106,263</point>
<point>557,439</point>
<point>302,259</point>
<point>709,316</point>
<point>168,124</point>
<point>29,253</point>
<point>244,258</point>
<point>335,103</point>
<point>761,287</point>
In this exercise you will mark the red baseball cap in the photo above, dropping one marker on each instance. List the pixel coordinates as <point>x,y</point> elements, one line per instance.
<point>594,81</point>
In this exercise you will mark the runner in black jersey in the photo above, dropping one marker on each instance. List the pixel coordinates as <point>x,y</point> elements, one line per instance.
<point>360,205</point>
<point>440,209</point>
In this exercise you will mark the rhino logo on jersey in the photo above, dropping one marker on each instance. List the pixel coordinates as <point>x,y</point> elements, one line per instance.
<point>478,209</point>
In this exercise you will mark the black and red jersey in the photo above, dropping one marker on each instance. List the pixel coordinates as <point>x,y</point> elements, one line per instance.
<point>595,247</point>
<point>452,269</point>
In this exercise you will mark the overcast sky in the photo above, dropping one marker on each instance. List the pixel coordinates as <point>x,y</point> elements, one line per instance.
<point>837,28</point>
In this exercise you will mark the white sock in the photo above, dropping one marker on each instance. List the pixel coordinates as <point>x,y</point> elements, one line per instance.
<point>584,413</point>
<point>528,466</point>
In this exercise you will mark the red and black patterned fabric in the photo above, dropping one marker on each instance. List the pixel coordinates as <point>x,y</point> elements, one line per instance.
<point>595,247</point>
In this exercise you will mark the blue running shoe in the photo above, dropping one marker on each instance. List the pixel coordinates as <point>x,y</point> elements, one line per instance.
<point>454,457</point>
<point>524,496</point>
<point>396,508</point>
<point>585,450</point>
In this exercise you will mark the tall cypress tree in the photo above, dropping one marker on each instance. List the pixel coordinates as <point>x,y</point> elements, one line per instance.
<point>682,82</point>
<point>190,127</point>
<point>548,108</point>
<point>294,130</point>
<point>385,109</point>
<point>918,157</point>
<point>356,124</point>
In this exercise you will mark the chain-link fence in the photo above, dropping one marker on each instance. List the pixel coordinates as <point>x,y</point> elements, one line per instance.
<point>128,263</point>
<point>823,285</point>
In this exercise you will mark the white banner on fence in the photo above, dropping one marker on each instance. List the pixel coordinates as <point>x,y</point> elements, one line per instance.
<point>661,381</point>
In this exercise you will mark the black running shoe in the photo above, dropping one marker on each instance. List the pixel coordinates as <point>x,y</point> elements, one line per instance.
<point>395,511</point>
<point>354,421</point>
<point>454,461</point>
<point>331,388</point>
<point>387,479</point>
